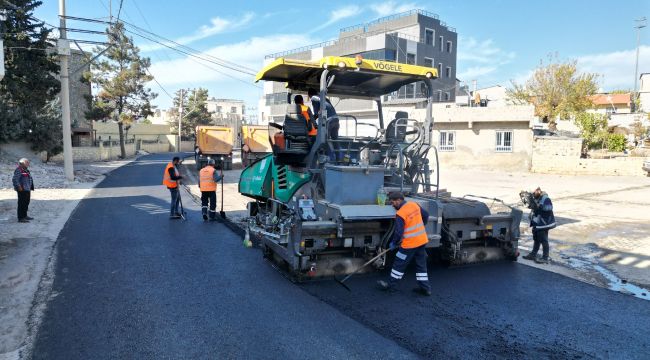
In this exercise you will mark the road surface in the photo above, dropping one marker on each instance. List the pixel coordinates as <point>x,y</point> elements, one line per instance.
<point>130,283</point>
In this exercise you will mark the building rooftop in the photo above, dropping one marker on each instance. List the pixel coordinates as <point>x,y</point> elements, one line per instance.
<point>364,34</point>
<point>608,99</point>
<point>366,26</point>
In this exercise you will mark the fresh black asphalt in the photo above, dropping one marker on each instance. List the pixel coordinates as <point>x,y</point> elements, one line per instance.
<point>130,283</point>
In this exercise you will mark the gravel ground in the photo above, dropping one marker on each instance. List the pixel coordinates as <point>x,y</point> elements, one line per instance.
<point>25,249</point>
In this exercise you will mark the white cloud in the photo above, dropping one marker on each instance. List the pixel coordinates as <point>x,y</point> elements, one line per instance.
<point>217,26</point>
<point>474,72</point>
<point>391,7</point>
<point>249,53</point>
<point>616,68</point>
<point>337,15</point>
<point>479,58</point>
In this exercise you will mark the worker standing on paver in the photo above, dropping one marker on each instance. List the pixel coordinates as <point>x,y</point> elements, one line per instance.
<point>332,120</point>
<point>24,185</point>
<point>208,179</point>
<point>171,178</point>
<point>542,220</point>
<point>410,238</point>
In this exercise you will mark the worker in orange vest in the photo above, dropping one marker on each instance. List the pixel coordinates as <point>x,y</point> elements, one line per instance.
<point>410,238</point>
<point>312,129</point>
<point>208,179</point>
<point>171,177</point>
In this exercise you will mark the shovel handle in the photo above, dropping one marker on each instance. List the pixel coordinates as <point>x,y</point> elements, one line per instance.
<point>364,265</point>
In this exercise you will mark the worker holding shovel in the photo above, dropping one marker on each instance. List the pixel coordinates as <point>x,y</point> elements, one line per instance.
<point>208,179</point>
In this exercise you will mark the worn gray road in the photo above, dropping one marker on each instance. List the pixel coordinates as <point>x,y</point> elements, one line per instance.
<point>130,283</point>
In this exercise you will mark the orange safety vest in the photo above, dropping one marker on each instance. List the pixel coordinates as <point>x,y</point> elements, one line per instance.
<point>167,180</point>
<point>415,234</point>
<point>206,179</point>
<point>304,109</point>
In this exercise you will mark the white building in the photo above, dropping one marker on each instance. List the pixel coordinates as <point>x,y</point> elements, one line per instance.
<point>644,92</point>
<point>226,108</point>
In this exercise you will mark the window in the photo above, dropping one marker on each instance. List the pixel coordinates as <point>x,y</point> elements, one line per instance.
<point>447,141</point>
<point>429,35</point>
<point>439,95</point>
<point>382,54</point>
<point>410,59</point>
<point>446,96</point>
<point>410,91</point>
<point>233,109</point>
<point>428,62</point>
<point>448,46</point>
<point>439,69</point>
<point>504,141</point>
<point>448,72</point>
<point>441,40</point>
<point>219,109</point>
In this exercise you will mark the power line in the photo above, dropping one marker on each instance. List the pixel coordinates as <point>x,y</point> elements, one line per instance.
<point>194,56</point>
<point>119,10</point>
<point>159,85</point>
<point>219,61</point>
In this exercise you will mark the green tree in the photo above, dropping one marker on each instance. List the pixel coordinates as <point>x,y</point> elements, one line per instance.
<point>46,133</point>
<point>30,82</point>
<point>556,89</point>
<point>195,111</point>
<point>593,129</point>
<point>121,75</point>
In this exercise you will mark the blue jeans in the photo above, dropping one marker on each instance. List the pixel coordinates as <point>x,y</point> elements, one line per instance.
<point>173,210</point>
<point>402,260</point>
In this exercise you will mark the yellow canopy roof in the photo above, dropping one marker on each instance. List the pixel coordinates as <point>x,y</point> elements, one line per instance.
<point>369,79</point>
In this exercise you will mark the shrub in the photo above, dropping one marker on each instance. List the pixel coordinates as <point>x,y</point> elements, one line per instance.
<point>616,142</point>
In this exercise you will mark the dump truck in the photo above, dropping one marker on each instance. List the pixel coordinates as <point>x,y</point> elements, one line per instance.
<point>255,143</point>
<point>318,205</point>
<point>214,142</point>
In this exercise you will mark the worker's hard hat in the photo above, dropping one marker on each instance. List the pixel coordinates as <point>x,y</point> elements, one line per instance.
<point>211,162</point>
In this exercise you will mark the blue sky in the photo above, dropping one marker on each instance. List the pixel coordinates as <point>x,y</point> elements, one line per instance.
<point>499,40</point>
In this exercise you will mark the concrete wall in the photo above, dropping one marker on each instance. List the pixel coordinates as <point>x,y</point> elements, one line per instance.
<point>555,155</point>
<point>141,131</point>
<point>95,153</point>
<point>475,147</point>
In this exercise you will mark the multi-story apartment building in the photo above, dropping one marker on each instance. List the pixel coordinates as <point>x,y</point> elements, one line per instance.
<point>413,37</point>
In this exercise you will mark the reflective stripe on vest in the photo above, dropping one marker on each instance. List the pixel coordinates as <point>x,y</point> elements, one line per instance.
<point>304,109</point>
<point>415,234</point>
<point>167,180</point>
<point>206,179</point>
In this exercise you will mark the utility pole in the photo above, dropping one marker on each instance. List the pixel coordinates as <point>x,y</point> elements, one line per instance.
<point>640,24</point>
<point>64,52</point>
<point>180,117</point>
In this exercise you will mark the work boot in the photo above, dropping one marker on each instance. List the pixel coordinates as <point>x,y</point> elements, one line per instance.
<point>205,217</point>
<point>530,256</point>
<point>422,291</point>
<point>542,260</point>
<point>174,216</point>
<point>383,285</point>
<point>23,220</point>
<point>29,218</point>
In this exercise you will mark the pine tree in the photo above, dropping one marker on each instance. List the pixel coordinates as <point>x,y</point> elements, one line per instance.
<point>121,75</point>
<point>30,82</point>
<point>195,111</point>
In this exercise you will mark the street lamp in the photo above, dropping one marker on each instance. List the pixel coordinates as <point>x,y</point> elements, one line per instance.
<point>640,24</point>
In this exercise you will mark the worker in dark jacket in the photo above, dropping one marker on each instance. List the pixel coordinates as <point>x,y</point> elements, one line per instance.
<point>171,177</point>
<point>541,221</point>
<point>333,123</point>
<point>24,185</point>
<point>410,238</point>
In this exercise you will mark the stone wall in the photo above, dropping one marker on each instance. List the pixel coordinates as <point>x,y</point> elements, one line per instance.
<point>556,155</point>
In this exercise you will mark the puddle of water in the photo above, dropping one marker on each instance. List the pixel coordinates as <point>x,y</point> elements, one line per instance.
<point>613,282</point>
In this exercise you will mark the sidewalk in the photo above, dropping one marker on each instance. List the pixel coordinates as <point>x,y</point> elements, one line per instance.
<point>26,250</point>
